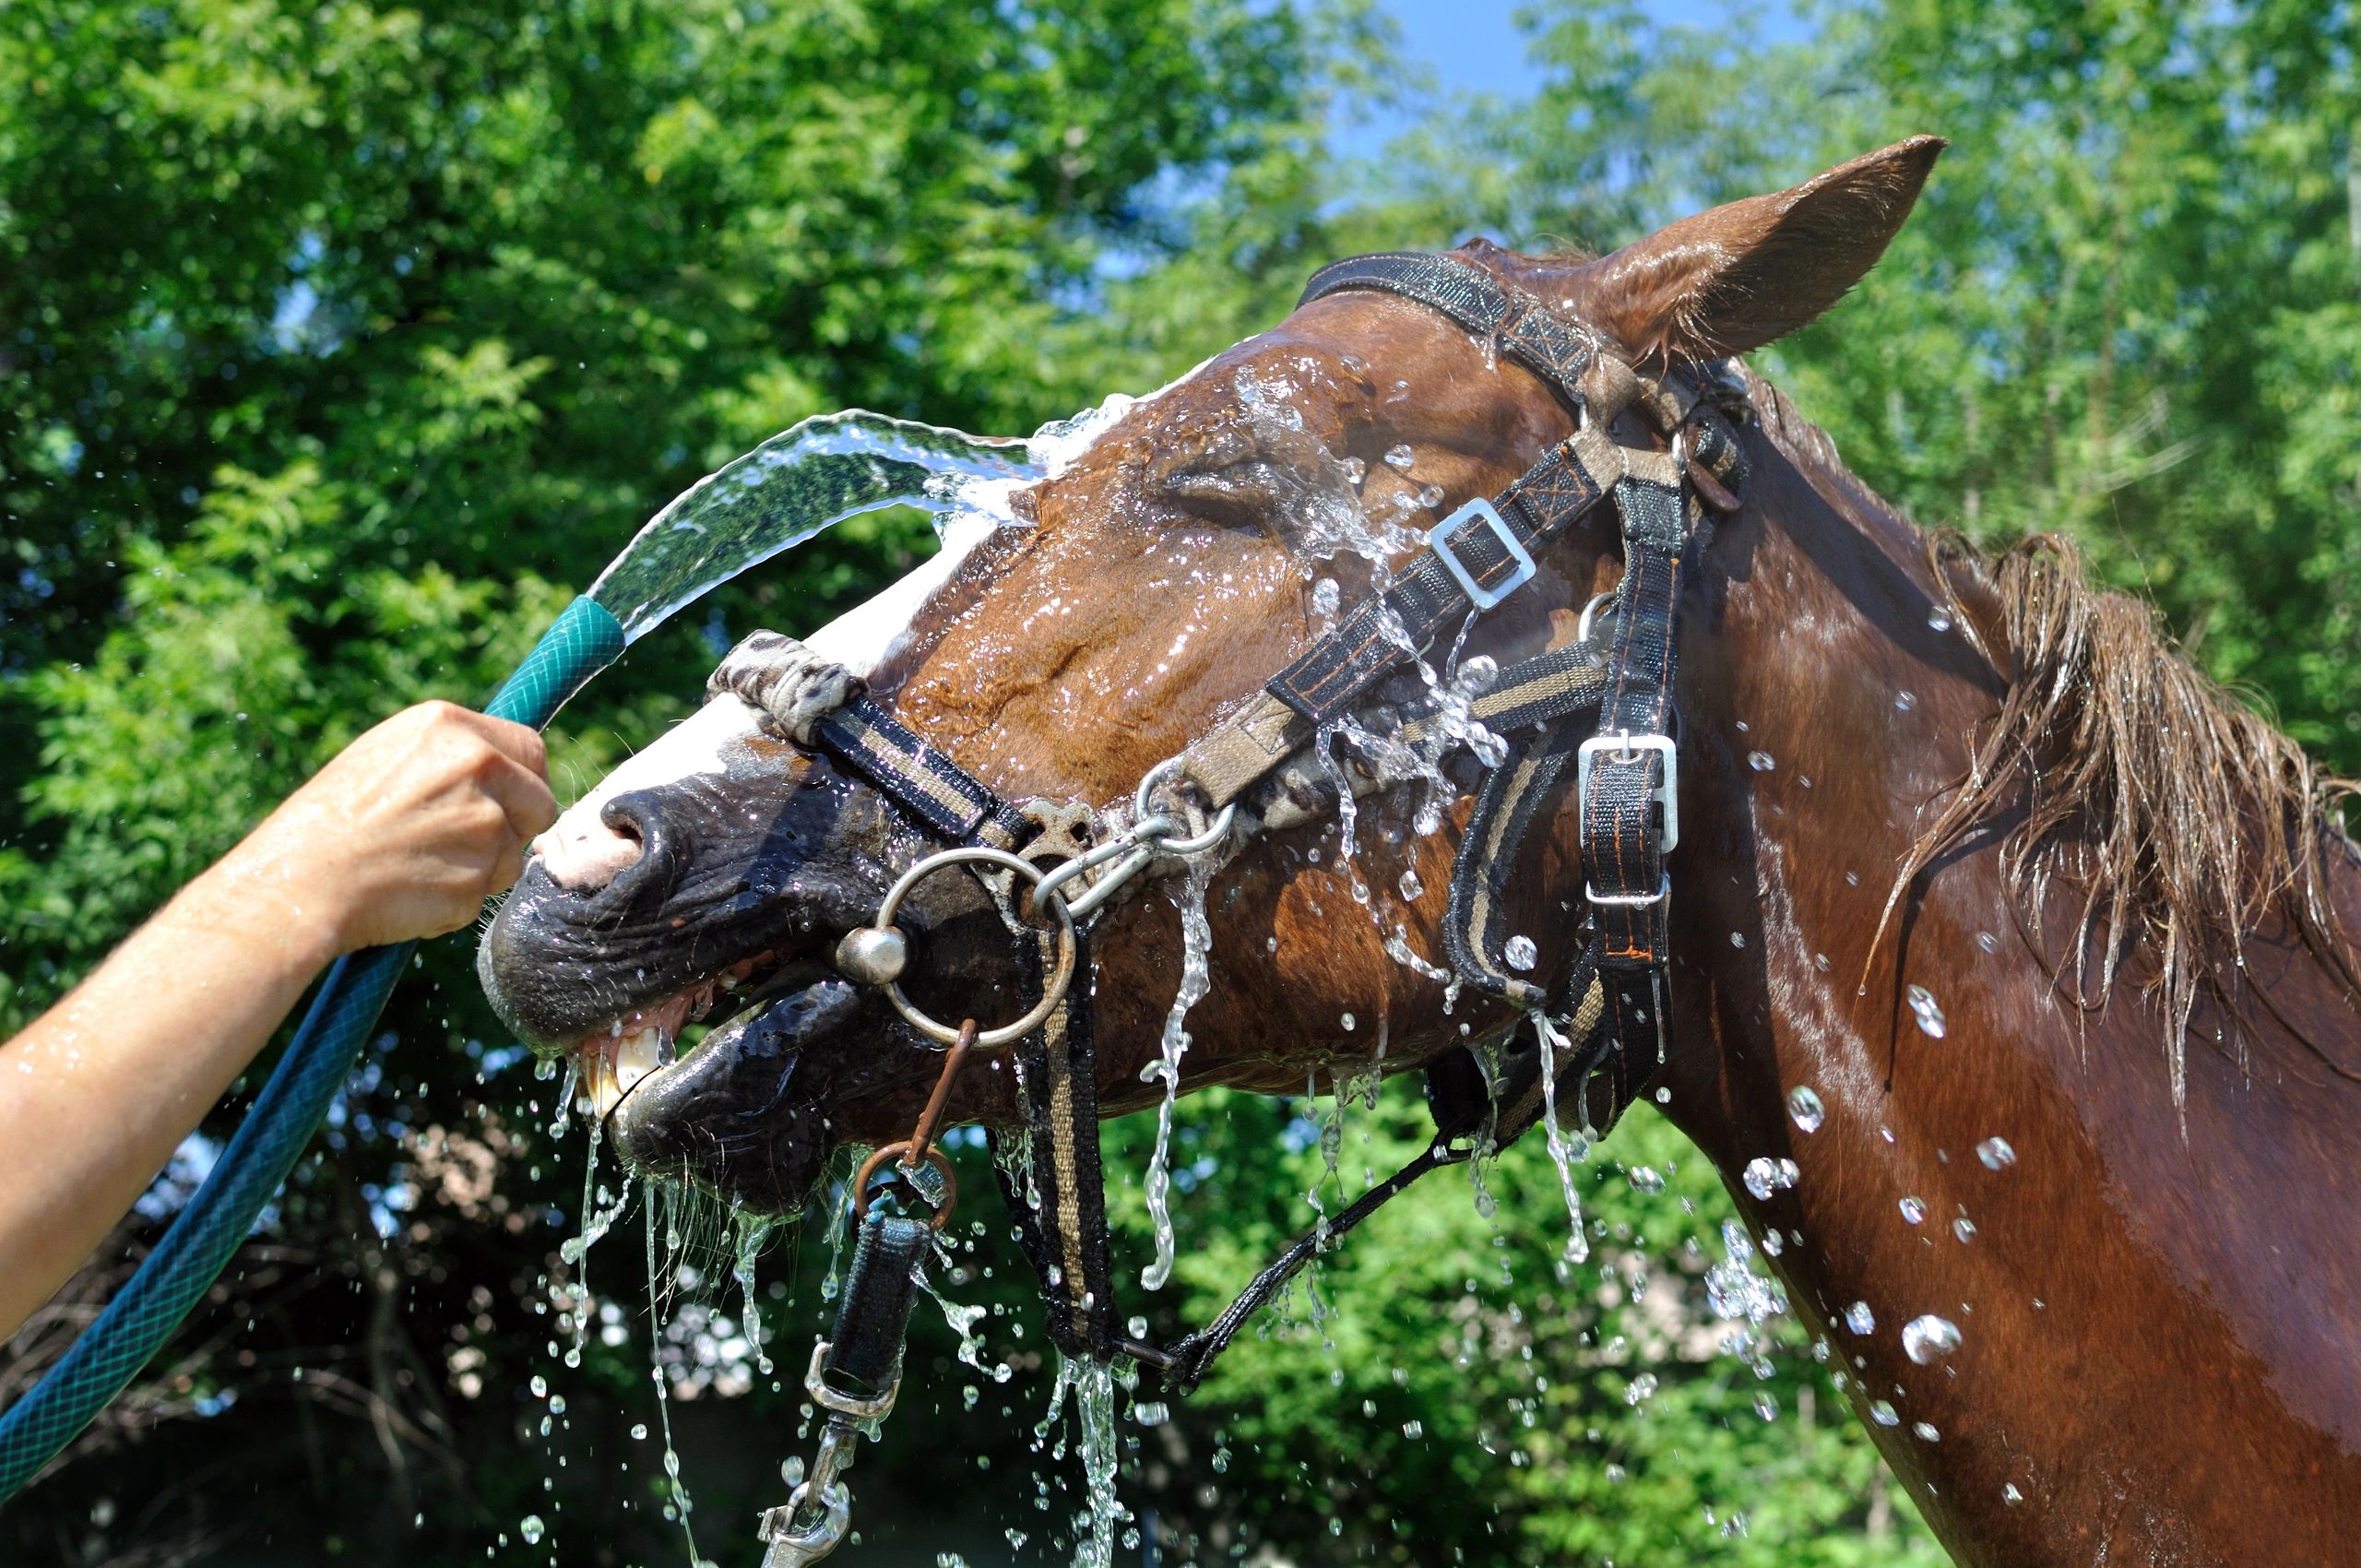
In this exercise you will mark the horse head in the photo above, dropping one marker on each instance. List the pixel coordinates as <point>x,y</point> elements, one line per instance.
<point>1147,589</point>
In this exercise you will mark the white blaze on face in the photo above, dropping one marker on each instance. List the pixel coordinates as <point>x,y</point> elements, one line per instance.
<point>582,852</point>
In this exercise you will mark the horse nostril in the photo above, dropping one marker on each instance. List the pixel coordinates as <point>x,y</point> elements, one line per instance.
<point>584,853</point>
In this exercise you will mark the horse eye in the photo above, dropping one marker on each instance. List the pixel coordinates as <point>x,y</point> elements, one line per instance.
<point>1248,493</point>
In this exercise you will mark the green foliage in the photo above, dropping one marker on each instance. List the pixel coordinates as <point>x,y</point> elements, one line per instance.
<point>338,345</point>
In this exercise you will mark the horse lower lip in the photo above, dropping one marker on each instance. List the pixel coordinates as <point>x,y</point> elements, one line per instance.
<point>745,1113</point>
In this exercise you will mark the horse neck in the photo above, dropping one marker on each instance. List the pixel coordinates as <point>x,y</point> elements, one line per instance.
<point>1827,703</point>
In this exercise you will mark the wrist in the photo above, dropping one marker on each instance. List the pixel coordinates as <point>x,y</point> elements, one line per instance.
<point>272,900</point>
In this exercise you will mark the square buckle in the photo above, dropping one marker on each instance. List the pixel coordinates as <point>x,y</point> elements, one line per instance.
<point>1624,747</point>
<point>1438,538</point>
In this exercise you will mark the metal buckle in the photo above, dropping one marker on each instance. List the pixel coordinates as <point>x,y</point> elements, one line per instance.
<point>1482,598</point>
<point>1630,900</point>
<point>1626,747</point>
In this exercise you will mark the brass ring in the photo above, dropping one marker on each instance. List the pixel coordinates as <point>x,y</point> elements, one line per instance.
<point>934,1156</point>
<point>1053,989</point>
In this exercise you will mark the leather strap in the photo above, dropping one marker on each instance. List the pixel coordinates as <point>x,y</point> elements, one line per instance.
<point>1553,347</point>
<point>1056,1187</point>
<point>866,1348</point>
<point>1385,630</point>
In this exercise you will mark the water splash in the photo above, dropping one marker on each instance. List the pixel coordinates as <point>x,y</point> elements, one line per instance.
<point>1196,945</point>
<point>1562,1154</point>
<point>753,1231</point>
<point>682,1505</point>
<point>596,1222</point>
<point>799,483</point>
<point>1092,1385</point>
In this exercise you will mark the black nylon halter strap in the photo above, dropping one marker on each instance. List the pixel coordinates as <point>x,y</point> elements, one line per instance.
<point>1629,796</point>
<point>1386,629</point>
<point>1558,350</point>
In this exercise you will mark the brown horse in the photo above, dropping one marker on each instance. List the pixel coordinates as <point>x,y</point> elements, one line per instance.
<point>2049,927</point>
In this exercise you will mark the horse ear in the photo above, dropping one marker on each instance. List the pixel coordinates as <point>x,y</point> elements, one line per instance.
<point>1742,275</point>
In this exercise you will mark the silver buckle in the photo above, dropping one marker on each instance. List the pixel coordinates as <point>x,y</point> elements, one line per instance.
<point>1625,747</point>
<point>1482,598</point>
<point>1630,900</point>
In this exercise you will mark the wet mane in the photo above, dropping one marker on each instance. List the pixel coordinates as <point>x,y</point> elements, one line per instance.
<point>2180,815</point>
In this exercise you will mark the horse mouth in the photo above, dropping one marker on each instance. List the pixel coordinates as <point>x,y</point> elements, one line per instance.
<point>611,1063</point>
<point>743,1112</point>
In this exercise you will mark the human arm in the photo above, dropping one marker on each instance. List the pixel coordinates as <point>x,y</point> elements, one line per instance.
<point>404,833</point>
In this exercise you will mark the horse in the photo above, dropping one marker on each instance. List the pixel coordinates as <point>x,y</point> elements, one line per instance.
<point>2025,945</point>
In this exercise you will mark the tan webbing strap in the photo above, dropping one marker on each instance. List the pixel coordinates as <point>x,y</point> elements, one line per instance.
<point>1244,749</point>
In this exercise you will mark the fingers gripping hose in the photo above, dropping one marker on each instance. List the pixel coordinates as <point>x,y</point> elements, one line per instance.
<point>584,640</point>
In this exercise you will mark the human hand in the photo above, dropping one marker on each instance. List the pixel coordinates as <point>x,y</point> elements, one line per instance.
<point>405,832</point>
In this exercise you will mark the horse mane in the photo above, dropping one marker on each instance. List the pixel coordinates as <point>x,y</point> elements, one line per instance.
<point>2182,816</point>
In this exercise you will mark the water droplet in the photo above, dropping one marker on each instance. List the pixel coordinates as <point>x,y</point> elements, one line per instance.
<point>2011,1495</point>
<point>1912,1211</point>
<point>1939,621</point>
<point>1804,1108</point>
<point>1642,1387</point>
<point>540,1386</point>
<point>1764,1176</point>
<point>1989,942</point>
<point>1995,1154</point>
<point>1929,1340</point>
<point>1926,1432</point>
<point>1736,940</point>
<point>1414,1430</point>
<point>1904,701</point>
<point>1325,596</point>
<point>639,1432</point>
<point>1520,953</point>
<point>1761,762</point>
<point>1356,470</point>
<point>1766,1404</point>
<point>1348,1020</point>
<point>1411,886</point>
<point>1431,497</point>
<point>530,1527</point>
<point>1928,1011</point>
<point>1646,1178</point>
<point>1882,1412</point>
<point>1399,456</point>
<point>1860,1318</point>
<point>1819,962</point>
<point>1963,1228</point>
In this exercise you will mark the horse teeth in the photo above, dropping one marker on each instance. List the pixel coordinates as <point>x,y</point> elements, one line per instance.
<point>641,1053</point>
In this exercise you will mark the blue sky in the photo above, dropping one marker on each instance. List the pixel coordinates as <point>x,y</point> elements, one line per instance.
<point>1473,46</point>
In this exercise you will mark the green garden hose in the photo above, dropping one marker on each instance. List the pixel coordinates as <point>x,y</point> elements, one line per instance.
<point>584,640</point>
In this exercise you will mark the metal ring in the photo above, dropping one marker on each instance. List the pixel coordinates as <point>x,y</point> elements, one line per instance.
<point>934,1156</point>
<point>1053,989</point>
<point>1590,614</point>
<point>1169,771</point>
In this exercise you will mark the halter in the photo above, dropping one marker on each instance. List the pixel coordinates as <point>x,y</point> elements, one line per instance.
<point>1602,706</point>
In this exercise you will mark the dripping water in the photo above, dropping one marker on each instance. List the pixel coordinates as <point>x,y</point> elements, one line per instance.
<point>1196,945</point>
